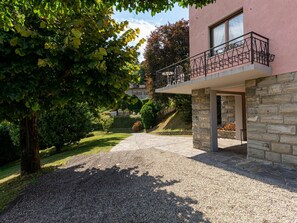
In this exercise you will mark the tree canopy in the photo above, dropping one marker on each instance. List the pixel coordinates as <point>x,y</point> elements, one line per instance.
<point>54,52</point>
<point>154,6</point>
<point>166,45</point>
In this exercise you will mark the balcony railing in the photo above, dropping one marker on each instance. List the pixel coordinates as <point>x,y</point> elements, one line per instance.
<point>249,48</point>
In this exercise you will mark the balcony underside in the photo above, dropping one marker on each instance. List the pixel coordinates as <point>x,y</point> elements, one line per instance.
<point>228,79</point>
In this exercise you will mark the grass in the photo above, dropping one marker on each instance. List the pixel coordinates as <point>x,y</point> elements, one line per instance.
<point>174,123</point>
<point>11,183</point>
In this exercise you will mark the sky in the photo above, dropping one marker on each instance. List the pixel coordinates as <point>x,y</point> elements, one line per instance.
<point>146,23</point>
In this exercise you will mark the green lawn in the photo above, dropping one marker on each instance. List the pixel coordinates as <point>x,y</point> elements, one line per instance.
<point>11,183</point>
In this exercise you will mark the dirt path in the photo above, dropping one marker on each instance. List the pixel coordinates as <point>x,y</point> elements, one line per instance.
<point>150,185</point>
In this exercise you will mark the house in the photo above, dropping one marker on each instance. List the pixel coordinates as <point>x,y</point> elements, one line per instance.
<point>245,50</point>
<point>137,90</point>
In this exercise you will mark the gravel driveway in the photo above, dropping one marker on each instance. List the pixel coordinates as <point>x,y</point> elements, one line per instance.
<point>150,185</point>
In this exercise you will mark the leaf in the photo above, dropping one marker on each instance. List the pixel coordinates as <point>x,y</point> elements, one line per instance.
<point>102,51</point>
<point>19,52</point>
<point>76,33</point>
<point>89,81</point>
<point>42,25</point>
<point>14,41</point>
<point>76,42</point>
<point>35,107</point>
<point>42,62</point>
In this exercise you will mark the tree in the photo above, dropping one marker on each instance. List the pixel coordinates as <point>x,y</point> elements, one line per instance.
<point>54,52</point>
<point>155,6</point>
<point>64,126</point>
<point>166,45</point>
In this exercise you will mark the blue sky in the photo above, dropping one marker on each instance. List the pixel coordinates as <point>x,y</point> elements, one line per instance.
<point>146,23</point>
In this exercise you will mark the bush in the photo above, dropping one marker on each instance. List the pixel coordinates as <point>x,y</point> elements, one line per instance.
<point>8,151</point>
<point>137,126</point>
<point>124,121</point>
<point>148,114</point>
<point>64,126</point>
<point>106,122</point>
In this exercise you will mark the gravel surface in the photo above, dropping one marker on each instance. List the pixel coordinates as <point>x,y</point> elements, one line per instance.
<point>150,185</point>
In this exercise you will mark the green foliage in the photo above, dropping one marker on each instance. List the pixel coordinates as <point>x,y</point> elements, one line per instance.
<point>166,45</point>
<point>55,52</point>
<point>106,122</point>
<point>134,104</point>
<point>148,114</point>
<point>8,151</point>
<point>183,105</point>
<point>137,126</point>
<point>124,121</point>
<point>65,126</point>
<point>155,6</point>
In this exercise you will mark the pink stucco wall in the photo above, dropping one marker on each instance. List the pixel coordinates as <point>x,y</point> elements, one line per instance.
<point>273,19</point>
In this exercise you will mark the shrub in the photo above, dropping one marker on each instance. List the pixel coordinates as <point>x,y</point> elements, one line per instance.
<point>137,126</point>
<point>64,126</point>
<point>124,121</point>
<point>148,114</point>
<point>135,104</point>
<point>8,151</point>
<point>106,121</point>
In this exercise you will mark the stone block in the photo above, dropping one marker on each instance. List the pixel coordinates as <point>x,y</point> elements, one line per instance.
<point>281,148</point>
<point>295,150</point>
<point>274,157</point>
<point>275,89</point>
<point>285,78</point>
<point>262,91</point>
<point>275,119</point>
<point>277,99</point>
<point>290,87</point>
<point>290,119</point>
<point>288,139</point>
<point>255,153</point>
<point>294,98</point>
<point>256,127</point>
<point>282,129</point>
<point>289,159</point>
<point>288,108</point>
<point>260,145</point>
<point>266,81</point>
<point>254,136</point>
<point>267,109</point>
<point>270,137</point>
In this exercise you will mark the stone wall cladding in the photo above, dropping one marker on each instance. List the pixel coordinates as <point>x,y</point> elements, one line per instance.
<point>227,109</point>
<point>272,118</point>
<point>201,119</point>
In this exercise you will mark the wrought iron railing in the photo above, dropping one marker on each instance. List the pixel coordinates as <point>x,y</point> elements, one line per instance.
<point>249,48</point>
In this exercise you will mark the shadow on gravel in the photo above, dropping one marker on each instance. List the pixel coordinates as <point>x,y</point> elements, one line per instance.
<point>109,195</point>
<point>234,159</point>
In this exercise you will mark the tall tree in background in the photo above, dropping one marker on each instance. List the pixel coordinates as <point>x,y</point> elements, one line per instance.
<point>53,52</point>
<point>166,45</point>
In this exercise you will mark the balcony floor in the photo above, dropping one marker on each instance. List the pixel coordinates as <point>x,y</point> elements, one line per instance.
<point>228,79</point>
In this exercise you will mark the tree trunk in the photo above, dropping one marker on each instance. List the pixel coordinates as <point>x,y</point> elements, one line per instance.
<point>30,159</point>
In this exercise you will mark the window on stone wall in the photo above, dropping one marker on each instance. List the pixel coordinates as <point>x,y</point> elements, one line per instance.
<point>226,30</point>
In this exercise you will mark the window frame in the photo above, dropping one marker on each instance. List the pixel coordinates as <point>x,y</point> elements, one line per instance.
<point>226,22</point>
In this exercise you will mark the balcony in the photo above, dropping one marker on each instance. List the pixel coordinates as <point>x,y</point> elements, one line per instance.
<point>229,64</point>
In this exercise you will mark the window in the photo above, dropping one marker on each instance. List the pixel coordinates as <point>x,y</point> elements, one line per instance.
<point>227,30</point>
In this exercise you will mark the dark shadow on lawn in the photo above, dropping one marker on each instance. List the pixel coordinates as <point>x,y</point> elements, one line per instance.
<point>109,195</point>
<point>234,159</point>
